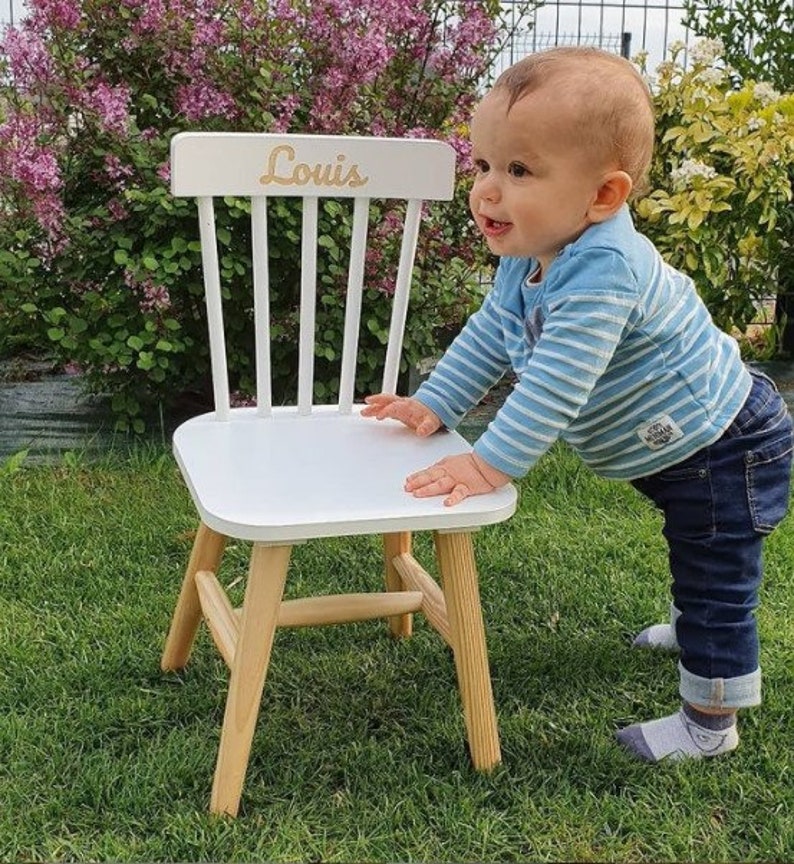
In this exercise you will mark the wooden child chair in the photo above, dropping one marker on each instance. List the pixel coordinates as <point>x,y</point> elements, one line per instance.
<point>278,475</point>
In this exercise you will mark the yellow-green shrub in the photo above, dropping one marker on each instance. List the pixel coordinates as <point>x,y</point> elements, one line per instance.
<point>719,208</point>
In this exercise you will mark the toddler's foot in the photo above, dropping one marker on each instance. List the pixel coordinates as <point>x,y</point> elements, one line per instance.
<point>660,637</point>
<point>687,734</point>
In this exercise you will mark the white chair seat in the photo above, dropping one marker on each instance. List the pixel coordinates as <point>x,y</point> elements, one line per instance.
<point>246,482</point>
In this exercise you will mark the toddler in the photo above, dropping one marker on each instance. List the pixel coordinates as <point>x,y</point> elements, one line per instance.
<point>614,353</point>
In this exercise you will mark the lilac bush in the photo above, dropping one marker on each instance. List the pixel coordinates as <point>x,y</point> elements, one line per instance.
<point>99,262</point>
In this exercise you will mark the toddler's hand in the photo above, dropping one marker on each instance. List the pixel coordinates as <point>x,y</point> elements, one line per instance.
<point>411,412</point>
<point>457,477</point>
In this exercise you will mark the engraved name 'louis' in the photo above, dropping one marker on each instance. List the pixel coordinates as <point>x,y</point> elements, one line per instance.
<point>284,170</point>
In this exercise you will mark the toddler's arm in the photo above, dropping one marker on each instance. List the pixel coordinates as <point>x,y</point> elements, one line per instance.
<point>409,411</point>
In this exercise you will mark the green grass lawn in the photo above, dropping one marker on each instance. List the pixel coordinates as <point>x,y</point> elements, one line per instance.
<point>359,754</point>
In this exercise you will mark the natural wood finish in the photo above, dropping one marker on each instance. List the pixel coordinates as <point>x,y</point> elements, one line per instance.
<point>346,608</point>
<point>434,606</point>
<point>400,626</point>
<point>266,576</point>
<point>456,564</point>
<point>206,555</point>
<point>218,613</point>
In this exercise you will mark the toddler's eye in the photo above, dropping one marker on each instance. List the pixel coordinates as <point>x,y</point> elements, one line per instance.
<point>516,169</point>
<point>481,166</point>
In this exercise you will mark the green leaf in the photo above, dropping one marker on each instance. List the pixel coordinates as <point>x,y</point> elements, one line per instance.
<point>374,326</point>
<point>55,314</point>
<point>14,463</point>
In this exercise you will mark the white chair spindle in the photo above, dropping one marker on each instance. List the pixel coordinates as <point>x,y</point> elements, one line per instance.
<point>355,283</point>
<point>308,306</point>
<point>264,391</point>
<point>212,293</point>
<point>401,295</point>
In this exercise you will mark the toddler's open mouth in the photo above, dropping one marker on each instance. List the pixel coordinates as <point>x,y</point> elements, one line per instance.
<point>493,227</point>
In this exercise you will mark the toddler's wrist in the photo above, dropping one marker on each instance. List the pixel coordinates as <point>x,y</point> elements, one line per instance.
<point>493,476</point>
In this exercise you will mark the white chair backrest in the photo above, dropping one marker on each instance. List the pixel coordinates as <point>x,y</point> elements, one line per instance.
<point>259,165</point>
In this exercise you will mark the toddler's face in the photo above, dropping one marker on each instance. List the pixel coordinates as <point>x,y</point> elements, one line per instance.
<point>533,185</point>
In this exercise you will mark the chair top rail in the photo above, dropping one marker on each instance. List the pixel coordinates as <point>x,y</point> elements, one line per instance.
<point>340,166</point>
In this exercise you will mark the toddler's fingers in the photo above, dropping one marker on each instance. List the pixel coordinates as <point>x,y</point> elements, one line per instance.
<point>437,487</point>
<point>379,398</point>
<point>423,477</point>
<point>403,411</point>
<point>458,494</point>
<point>431,481</point>
<point>426,427</point>
<point>416,481</point>
<point>377,405</point>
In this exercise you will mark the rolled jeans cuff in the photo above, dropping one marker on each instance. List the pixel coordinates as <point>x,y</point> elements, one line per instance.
<point>743,691</point>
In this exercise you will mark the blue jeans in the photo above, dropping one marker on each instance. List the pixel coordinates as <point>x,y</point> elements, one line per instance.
<point>718,506</point>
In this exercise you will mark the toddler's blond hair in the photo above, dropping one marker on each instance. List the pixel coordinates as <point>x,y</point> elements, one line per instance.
<point>614,109</point>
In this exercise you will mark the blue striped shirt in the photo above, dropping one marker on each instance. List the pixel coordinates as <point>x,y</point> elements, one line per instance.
<point>614,352</point>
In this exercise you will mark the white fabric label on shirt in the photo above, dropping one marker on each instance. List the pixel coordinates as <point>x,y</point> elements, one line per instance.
<point>659,433</point>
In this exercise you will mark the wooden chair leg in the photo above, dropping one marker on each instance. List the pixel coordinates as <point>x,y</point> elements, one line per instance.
<point>458,571</point>
<point>265,587</point>
<point>394,545</point>
<point>206,555</point>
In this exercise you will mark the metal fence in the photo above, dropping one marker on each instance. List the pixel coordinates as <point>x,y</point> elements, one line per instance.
<point>10,12</point>
<point>622,26</point>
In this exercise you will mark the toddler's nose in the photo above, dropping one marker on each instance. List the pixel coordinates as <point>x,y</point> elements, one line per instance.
<point>487,188</point>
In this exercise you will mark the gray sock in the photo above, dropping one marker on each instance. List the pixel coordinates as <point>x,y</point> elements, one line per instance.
<point>687,734</point>
<point>661,637</point>
<point>658,636</point>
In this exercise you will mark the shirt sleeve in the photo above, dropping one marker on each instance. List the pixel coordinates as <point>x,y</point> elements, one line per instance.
<point>473,363</point>
<point>590,301</point>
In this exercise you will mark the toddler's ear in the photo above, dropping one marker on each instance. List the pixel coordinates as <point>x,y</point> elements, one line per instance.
<point>612,194</point>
